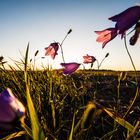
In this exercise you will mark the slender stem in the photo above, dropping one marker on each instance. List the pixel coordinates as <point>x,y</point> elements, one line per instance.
<point>118,94</point>
<point>99,65</point>
<point>131,60</point>
<point>64,39</point>
<point>136,78</point>
<point>95,92</point>
<point>62,48</point>
<point>83,66</point>
<point>62,54</point>
<point>34,64</point>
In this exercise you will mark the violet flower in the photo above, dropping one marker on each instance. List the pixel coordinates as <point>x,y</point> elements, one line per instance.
<point>52,50</point>
<point>106,35</point>
<point>69,68</point>
<point>126,19</point>
<point>89,59</point>
<point>134,38</point>
<point>10,107</point>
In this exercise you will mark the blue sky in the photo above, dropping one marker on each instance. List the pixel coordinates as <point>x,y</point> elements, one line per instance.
<point>42,22</point>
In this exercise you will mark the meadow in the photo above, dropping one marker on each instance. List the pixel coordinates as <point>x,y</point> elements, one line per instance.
<point>86,105</point>
<point>72,103</point>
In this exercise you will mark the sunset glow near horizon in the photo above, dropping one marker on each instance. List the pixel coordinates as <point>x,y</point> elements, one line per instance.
<point>41,22</point>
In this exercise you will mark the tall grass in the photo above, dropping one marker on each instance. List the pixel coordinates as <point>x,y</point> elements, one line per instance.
<point>64,107</point>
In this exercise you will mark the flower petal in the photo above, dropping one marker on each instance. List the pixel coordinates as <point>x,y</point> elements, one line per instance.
<point>70,67</point>
<point>134,38</point>
<point>126,19</point>
<point>89,59</point>
<point>106,35</point>
<point>52,50</point>
<point>10,106</point>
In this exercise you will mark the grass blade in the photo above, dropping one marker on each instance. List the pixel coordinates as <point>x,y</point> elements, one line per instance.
<point>72,128</point>
<point>133,131</point>
<point>119,120</point>
<point>37,132</point>
<point>14,135</point>
<point>36,129</point>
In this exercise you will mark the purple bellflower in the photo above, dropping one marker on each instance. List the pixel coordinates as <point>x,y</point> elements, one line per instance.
<point>135,37</point>
<point>69,68</point>
<point>10,107</point>
<point>126,19</point>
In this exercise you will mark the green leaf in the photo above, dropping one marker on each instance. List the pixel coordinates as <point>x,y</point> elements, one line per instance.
<point>26,57</point>
<point>36,129</point>
<point>119,120</point>
<point>37,132</point>
<point>72,127</point>
<point>14,135</point>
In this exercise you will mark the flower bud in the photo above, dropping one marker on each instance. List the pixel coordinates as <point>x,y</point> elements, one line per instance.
<point>107,55</point>
<point>69,31</point>
<point>10,107</point>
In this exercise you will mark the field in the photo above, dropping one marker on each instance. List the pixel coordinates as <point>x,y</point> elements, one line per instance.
<point>86,105</point>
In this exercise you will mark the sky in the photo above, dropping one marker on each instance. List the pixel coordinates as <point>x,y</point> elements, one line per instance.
<point>41,22</point>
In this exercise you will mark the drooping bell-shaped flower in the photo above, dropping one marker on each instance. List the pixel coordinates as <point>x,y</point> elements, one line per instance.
<point>106,35</point>
<point>10,107</point>
<point>135,37</point>
<point>52,50</point>
<point>126,19</point>
<point>89,59</point>
<point>69,68</point>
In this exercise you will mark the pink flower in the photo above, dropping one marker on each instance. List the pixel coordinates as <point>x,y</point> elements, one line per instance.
<point>70,67</point>
<point>10,107</point>
<point>106,35</point>
<point>89,59</point>
<point>52,50</point>
<point>126,19</point>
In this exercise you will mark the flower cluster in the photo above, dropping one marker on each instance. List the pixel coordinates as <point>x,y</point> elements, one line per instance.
<point>69,68</point>
<point>124,21</point>
<point>12,109</point>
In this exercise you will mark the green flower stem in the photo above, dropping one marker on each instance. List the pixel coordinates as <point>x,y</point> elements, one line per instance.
<point>98,68</point>
<point>136,78</point>
<point>62,44</point>
<point>99,65</point>
<point>62,48</point>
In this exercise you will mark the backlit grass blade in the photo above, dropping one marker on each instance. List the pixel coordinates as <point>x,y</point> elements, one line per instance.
<point>14,135</point>
<point>26,128</point>
<point>119,120</point>
<point>88,117</point>
<point>37,132</point>
<point>52,102</point>
<point>26,58</point>
<point>133,131</point>
<point>72,127</point>
<point>107,135</point>
<point>53,113</point>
